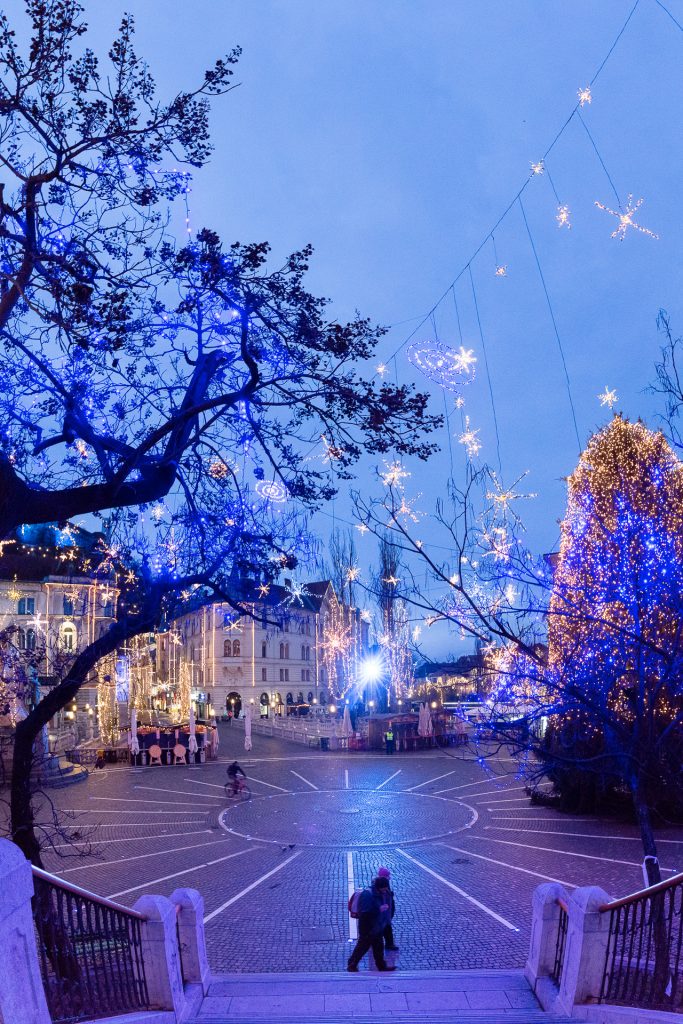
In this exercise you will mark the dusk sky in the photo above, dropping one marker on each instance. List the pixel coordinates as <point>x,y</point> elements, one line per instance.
<point>392,135</point>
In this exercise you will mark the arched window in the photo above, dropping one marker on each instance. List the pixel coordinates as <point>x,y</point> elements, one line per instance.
<point>236,648</point>
<point>30,639</point>
<point>300,698</point>
<point>310,696</point>
<point>21,639</point>
<point>289,698</point>
<point>227,649</point>
<point>303,653</point>
<point>264,698</point>
<point>308,653</point>
<point>67,636</point>
<point>286,650</point>
<point>282,650</point>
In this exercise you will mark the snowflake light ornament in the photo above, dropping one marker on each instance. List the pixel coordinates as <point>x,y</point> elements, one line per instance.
<point>563,217</point>
<point>502,270</point>
<point>470,439</point>
<point>625,218</point>
<point>585,96</point>
<point>608,397</point>
<point>538,167</point>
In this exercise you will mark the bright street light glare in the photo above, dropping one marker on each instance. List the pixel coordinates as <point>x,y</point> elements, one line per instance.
<point>371,669</point>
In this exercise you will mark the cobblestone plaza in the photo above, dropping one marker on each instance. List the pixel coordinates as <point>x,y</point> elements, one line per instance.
<point>465,847</point>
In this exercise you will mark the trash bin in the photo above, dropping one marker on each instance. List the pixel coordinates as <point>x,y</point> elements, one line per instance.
<point>324,742</point>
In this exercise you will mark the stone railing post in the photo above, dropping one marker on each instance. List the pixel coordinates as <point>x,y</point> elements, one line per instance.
<point>22,998</point>
<point>544,925</point>
<point>195,964</point>
<point>160,954</point>
<point>586,949</point>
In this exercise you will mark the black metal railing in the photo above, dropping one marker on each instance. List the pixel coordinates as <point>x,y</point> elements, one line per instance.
<point>90,952</point>
<point>560,941</point>
<point>644,956</point>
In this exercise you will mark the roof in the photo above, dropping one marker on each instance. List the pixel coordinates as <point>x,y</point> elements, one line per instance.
<point>37,552</point>
<point>463,666</point>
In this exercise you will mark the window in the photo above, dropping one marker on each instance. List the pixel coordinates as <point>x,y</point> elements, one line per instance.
<point>21,639</point>
<point>108,609</point>
<point>308,653</point>
<point>26,606</point>
<point>264,698</point>
<point>303,675</point>
<point>282,651</point>
<point>286,675</point>
<point>227,649</point>
<point>286,625</point>
<point>289,698</point>
<point>67,606</point>
<point>282,675</point>
<point>303,653</point>
<point>310,696</point>
<point>67,636</point>
<point>264,677</point>
<point>236,649</point>
<point>264,649</point>
<point>30,639</point>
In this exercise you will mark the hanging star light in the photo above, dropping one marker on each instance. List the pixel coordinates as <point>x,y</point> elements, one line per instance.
<point>130,577</point>
<point>502,270</point>
<point>503,498</point>
<point>608,398</point>
<point>157,512</point>
<point>362,528</point>
<point>264,589</point>
<point>625,218</point>
<point>296,592</point>
<point>82,448</point>
<point>366,616</point>
<point>449,368</point>
<point>470,439</point>
<point>391,580</point>
<point>332,451</point>
<point>459,402</point>
<point>563,217</point>
<point>13,592</point>
<point>218,470</point>
<point>538,167</point>
<point>352,574</point>
<point>417,633</point>
<point>380,369</point>
<point>585,96</point>
<point>176,638</point>
<point>394,474</point>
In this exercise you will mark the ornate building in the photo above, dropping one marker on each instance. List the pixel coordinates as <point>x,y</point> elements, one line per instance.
<point>296,646</point>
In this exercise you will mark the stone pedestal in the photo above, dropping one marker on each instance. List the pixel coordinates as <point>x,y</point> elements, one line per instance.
<point>195,963</point>
<point>584,958</point>
<point>160,954</point>
<point>22,999</point>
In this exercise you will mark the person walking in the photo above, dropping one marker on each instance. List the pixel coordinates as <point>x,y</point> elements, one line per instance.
<point>374,913</point>
<point>388,933</point>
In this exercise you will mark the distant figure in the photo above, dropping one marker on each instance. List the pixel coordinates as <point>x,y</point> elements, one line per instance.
<point>388,933</point>
<point>234,773</point>
<point>390,741</point>
<point>374,914</point>
<point>229,717</point>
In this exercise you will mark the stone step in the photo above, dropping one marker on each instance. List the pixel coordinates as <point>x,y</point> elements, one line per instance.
<point>61,773</point>
<point>448,1016</point>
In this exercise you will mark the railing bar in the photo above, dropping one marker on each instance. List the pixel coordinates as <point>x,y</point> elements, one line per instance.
<point>677,959</point>
<point>606,973</point>
<point>105,952</point>
<point>94,974</point>
<point>59,883</point>
<point>669,883</point>
<point>642,963</point>
<point>130,974</point>
<point>65,995</point>
<point>622,946</point>
<point>123,949</point>
<point>140,966</point>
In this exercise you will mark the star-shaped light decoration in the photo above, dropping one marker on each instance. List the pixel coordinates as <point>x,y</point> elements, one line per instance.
<point>465,358</point>
<point>563,216</point>
<point>157,512</point>
<point>470,438</point>
<point>538,167</point>
<point>459,402</point>
<point>394,474</point>
<point>380,370</point>
<point>625,218</point>
<point>585,96</point>
<point>352,574</point>
<point>129,578</point>
<point>454,580</point>
<point>417,633</point>
<point>366,616</point>
<point>176,638</point>
<point>502,270</point>
<point>13,592</point>
<point>263,589</point>
<point>391,580</point>
<point>82,448</point>
<point>608,397</point>
<point>362,528</point>
<point>332,451</point>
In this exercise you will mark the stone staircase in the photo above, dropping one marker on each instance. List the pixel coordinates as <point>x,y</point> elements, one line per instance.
<point>430,997</point>
<point>57,773</point>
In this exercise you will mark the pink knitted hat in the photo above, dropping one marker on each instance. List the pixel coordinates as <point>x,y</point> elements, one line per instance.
<point>384,873</point>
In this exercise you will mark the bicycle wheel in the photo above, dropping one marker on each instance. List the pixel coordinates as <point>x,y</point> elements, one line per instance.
<point>229,790</point>
<point>245,792</point>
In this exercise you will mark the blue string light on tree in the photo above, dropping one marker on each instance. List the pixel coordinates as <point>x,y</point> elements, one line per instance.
<point>449,368</point>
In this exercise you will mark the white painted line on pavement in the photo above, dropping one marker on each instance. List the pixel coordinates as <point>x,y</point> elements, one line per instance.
<point>131,839</point>
<point>568,853</point>
<point>351,888</point>
<point>141,824</point>
<point>303,779</point>
<point>576,835</point>
<point>185,871</point>
<point>211,785</point>
<point>144,800</point>
<point>346,777</point>
<point>461,892</point>
<point>510,800</point>
<point>493,792</point>
<point>513,867</point>
<point>263,878</point>
<point>181,792</point>
<point>141,856</point>
<point>468,785</point>
<point>271,784</point>
<point>557,817</point>
<point>128,810</point>
<point>429,781</point>
<point>389,779</point>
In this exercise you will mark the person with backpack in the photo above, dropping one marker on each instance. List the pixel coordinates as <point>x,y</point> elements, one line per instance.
<point>388,933</point>
<point>373,911</point>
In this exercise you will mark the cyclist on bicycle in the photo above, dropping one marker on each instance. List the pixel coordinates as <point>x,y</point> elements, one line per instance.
<point>234,773</point>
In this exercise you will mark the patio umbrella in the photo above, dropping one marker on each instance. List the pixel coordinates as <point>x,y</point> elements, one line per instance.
<point>247,729</point>
<point>192,743</point>
<point>133,741</point>
<point>347,728</point>
<point>423,721</point>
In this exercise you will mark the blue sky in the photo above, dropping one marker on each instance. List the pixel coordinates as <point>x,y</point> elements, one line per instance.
<point>392,134</point>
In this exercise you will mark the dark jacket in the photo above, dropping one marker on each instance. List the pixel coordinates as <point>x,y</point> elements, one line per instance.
<point>371,919</point>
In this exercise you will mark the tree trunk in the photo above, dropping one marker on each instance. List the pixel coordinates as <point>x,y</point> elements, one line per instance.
<point>21,798</point>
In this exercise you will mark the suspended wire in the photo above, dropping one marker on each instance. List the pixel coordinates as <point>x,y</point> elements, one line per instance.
<point>552,185</point>
<point>667,11</point>
<point>602,162</point>
<point>488,373</point>
<point>518,194</point>
<point>457,314</point>
<point>554,321</point>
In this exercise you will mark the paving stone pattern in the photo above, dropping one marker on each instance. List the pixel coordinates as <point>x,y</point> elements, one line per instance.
<point>466,849</point>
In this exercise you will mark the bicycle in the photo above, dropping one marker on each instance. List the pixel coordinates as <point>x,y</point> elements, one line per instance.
<point>237,790</point>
